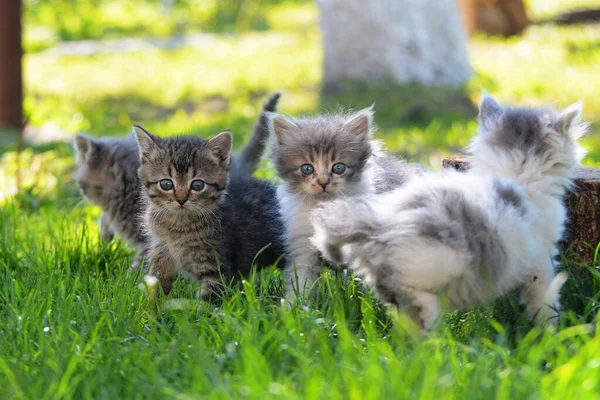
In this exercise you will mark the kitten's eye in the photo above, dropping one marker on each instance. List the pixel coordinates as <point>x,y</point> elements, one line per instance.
<point>197,186</point>
<point>339,168</point>
<point>307,169</point>
<point>166,184</point>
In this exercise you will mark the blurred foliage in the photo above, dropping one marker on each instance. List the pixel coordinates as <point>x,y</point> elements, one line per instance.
<point>544,9</point>
<point>219,83</point>
<point>49,21</point>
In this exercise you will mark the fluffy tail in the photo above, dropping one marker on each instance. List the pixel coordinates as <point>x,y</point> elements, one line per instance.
<point>249,157</point>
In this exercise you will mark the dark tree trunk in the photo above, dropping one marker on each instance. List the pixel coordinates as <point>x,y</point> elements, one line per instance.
<point>583,210</point>
<point>11,86</point>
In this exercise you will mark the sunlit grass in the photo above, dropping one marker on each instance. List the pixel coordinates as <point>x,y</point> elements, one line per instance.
<point>74,324</point>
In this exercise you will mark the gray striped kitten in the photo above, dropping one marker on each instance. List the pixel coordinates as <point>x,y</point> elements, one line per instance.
<point>204,225</point>
<point>319,159</point>
<point>107,176</point>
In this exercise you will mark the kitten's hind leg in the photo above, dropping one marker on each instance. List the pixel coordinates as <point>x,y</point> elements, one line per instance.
<point>421,306</point>
<point>106,231</point>
<point>427,308</point>
<point>163,267</point>
<point>541,293</point>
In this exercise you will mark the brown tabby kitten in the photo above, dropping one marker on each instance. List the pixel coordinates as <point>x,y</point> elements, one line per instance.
<point>107,175</point>
<point>184,178</point>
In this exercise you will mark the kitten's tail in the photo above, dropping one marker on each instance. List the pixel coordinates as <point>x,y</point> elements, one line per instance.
<point>249,157</point>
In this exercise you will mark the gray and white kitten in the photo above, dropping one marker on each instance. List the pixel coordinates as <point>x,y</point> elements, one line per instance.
<point>470,237</point>
<point>107,176</point>
<point>203,224</point>
<point>320,159</point>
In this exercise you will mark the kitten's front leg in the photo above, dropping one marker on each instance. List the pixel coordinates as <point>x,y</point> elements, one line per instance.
<point>106,231</point>
<point>204,267</point>
<point>140,260</point>
<point>163,266</point>
<point>541,293</point>
<point>211,286</point>
<point>301,273</point>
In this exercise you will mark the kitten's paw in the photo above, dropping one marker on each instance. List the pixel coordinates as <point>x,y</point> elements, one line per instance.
<point>290,298</point>
<point>549,313</point>
<point>428,310</point>
<point>139,261</point>
<point>211,289</point>
<point>106,232</point>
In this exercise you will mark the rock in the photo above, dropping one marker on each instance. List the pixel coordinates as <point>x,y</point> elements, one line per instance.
<point>583,210</point>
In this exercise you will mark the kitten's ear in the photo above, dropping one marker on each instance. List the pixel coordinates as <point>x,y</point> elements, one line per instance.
<point>146,142</point>
<point>220,145</point>
<point>571,117</point>
<point>84,146</point>
<point>282,127</point>
<point>489,112</point>
<point>361,123</point>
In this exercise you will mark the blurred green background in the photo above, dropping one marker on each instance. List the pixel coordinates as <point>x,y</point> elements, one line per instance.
<point>201,66</point>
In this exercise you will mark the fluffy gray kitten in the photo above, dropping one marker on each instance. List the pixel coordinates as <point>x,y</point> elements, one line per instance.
<point>107,175</point>
<point>320,159</point>
<point>470,237</point>
<point>203,224</point>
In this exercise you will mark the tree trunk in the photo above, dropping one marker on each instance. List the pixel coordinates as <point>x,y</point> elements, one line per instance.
<point>496,17</point>
<point>11,87</point>
<point>380,41</point>
<point>582,233</point>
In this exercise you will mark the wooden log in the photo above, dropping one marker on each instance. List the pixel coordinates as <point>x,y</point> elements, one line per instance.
<point>582,233</point>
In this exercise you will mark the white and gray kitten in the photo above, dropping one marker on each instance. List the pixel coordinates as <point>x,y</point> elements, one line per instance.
<point>470,237</point>
<point>320,159</point>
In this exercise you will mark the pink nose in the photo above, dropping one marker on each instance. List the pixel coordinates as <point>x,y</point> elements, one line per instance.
<point>323,183</point>
<point>181,197</point>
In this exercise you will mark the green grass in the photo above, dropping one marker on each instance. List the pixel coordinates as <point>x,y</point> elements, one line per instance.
<point>74,324</point>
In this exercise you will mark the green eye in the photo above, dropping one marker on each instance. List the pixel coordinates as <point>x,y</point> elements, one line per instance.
<point>166,184</point>
<point>339,168</point>
<point>197,186</point>
<point>307,169</point>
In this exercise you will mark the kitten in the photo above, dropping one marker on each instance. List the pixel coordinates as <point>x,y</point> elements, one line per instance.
<point>469,236</point>
<point>204,225</point>
<point>107,175</point>
<point>319,159</point>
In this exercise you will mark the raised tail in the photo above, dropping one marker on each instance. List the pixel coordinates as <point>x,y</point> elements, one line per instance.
<point>248,159</point>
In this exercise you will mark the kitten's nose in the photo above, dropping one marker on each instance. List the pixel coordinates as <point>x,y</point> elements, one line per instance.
<point>323,182</point>
<point>181,198</point>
